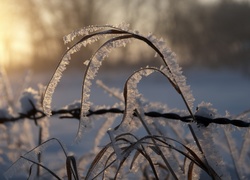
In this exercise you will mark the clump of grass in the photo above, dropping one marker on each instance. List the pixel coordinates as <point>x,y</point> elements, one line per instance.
<point>120,36</point>
<point>142,145</point>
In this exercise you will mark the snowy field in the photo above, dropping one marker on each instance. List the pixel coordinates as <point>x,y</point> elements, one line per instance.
<point>226,90</point>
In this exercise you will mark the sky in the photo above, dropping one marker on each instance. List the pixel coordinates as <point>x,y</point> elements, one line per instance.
<point>21,34</point>
<point>14,37</point>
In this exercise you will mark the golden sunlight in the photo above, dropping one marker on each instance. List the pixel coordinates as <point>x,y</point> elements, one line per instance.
<point>15,46</point>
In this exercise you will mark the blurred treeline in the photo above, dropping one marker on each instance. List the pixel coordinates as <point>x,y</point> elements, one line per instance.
<point>201,33</point>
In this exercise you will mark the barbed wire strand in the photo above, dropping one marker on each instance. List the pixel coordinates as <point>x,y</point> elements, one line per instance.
<point>74,113</point>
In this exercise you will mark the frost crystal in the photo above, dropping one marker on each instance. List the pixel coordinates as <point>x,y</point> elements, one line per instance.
<point>124,26</point>
<point>172,70</point>
<point>80,32</point>
<point>86,62</point>
<point>207,137</point>
<point>95,61</point>
<point>75,105</point>
<point>53,83</point>
<point>133,98</point>
<point>112,91</point>
<point>90,29</point>
<point>92,69</point>
<point>119,38</point>
<point>102,131</point>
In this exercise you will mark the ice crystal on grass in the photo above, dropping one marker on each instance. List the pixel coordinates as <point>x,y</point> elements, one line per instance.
<point>86,62</point>
<point>100,55</point>
<point>207,137</point>
<point>92,69</point>
<point>102,161</point>
<point>74,105</point>
<point>196,169</point>
<point>103,130</point>
<point>120,37</point>
<point>90,29</point>
<point>165,150</point>
<point>53,83</point>
<point>173,70</point>
<point>112,91</point>
<point>81,32</point>
<point>131,96</point>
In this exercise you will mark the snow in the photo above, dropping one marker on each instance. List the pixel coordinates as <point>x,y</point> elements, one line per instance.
<point>29,99</point>
<point>4,113</point>
<point>205,110</point>
<point>225,90</point>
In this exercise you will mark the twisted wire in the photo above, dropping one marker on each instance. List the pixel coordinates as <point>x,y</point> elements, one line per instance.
<point>36,114</point>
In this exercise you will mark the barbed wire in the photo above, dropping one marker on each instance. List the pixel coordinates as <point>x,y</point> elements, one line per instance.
<point>74,113</point>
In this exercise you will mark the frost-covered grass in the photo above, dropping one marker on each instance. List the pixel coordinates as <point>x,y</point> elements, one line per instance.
<point>134,137</point>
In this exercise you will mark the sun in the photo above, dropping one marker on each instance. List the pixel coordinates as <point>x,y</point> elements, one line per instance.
<point>15,48</point>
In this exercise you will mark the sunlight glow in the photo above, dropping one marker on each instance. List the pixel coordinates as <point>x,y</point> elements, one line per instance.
<point>15,48</point>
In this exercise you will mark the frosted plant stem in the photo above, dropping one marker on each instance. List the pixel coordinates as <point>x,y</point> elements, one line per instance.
<point>51,172</point>
<point>245,145</point>
<point>195,138</point>
<point>117,150</point>
<point>39,154</point>
<point>102,132</point>
<point>211,171</point>
<point>156,146</point>
<point>233,156</point>
<point>111,91</point>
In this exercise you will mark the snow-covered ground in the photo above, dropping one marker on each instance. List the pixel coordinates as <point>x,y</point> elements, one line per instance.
<point>226,90</point>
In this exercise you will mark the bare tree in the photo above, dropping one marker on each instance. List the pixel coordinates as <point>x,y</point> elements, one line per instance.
<point>215,34</point>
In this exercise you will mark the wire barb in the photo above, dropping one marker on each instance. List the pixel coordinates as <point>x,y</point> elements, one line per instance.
<point>75,114</point>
